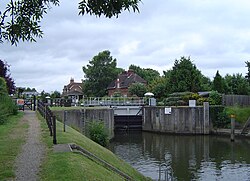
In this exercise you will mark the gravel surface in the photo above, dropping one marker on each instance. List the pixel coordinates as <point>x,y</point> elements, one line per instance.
<point>33,151</point>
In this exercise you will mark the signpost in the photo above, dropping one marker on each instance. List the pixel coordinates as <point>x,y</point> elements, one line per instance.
<point>20,104</point>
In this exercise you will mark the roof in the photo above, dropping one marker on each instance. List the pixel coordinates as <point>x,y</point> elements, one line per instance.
<point>125,79</point>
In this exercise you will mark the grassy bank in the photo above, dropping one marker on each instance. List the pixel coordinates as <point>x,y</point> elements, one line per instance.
<point>241,113</point>
<point>73,166</point>
<point>12,136</point>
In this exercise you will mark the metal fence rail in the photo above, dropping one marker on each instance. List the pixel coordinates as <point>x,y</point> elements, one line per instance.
<point>49,117</point>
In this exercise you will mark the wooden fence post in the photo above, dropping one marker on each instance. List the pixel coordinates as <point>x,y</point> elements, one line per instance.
<point>54,130</point>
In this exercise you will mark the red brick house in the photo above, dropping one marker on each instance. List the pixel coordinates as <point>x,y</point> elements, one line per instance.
<point>73,91</point>
<point>122,83</point>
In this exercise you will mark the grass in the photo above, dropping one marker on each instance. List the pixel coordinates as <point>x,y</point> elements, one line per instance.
<point>241,113</point>
<point>12,136</point>
<point>72,166</point>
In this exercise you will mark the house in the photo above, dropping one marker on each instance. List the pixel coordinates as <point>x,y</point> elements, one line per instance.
<point>73,91</point>
<point>122,83</point>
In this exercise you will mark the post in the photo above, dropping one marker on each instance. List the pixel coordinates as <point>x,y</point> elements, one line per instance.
<point>34,101</point>
<point>64,120</point>
<point>232,127</point>
<point>54,130</point>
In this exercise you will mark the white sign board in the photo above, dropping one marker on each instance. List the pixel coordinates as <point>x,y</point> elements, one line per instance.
<point>192,103</point>
<point>167,110</point>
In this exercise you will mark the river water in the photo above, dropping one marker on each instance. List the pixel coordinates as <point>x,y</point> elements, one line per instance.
<point>205,158</point>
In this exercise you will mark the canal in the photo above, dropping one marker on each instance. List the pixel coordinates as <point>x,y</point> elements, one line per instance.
<point>190,157</point>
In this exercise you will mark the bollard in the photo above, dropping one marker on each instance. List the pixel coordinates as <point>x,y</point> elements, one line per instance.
<point>232,127</point>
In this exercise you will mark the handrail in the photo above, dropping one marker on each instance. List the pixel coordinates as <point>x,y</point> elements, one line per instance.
<point>50,118</point>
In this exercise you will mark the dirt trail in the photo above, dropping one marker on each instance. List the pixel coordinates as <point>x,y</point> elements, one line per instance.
<point>29,160</point>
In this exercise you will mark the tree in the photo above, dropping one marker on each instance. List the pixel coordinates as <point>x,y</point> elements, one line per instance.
<point>159,87</point>
<point>236,84</point>
<point>218,83</point>
<point>248,72</point>
<point>5,73</point>
<point>55,94</point>
<point>137,89</point>
<point>184,76</point>
<point>21,19</point>
<point>100,71</point>
<point>146,73</point>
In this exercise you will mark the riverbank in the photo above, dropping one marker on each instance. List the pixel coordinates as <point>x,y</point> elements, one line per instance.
<point>75,166</point>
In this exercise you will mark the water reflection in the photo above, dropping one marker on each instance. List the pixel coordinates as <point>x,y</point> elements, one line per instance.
<point>190,157</point>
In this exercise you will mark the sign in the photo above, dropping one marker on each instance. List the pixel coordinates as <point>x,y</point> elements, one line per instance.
<point>167,110</point>
<point>20,102</point>
<point>192,103</point>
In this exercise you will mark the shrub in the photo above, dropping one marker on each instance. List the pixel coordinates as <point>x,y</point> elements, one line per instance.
<point>219,116</point>
<point>7,108</point>
<point>97,132</point>
<point>215,98</point>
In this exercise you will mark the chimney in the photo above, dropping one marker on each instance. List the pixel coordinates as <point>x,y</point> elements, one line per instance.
<point>71,80</point>
<point>130,72</point>
<point>118,83</point>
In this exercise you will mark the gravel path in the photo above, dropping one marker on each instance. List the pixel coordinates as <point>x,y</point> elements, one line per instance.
<point>29,160</point>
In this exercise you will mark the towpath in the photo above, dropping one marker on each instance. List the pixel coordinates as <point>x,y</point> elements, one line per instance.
<point>33,151</point>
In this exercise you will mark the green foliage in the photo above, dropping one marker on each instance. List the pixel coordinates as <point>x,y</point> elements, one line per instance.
<point>7,107</point>
<point>98,132</point>
<point>137,89</point>
<point>184,76</point>
<point>21,19</point>
<point>219,116</point>
<point>248,71</point>
<point>215,98</point>
<point>236,84</point>
<point>177,99</point>
<point>241,113</point>
<point>12,136</point>
<point>5,74</point>
<point>108,8</point>
<point>147,74</point>
<point>218,83</point>
<point>99,73</point>
<point>159,87</point>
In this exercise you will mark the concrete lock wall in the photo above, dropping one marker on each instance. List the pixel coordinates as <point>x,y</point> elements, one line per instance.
<point>182,120</point>
<point>79,119</point>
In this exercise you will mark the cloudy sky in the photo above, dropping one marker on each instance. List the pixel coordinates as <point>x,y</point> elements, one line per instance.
<point>215,34</point>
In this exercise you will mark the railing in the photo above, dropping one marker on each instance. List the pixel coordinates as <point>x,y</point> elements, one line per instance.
<point>49,117</point>
<point>113,101</point>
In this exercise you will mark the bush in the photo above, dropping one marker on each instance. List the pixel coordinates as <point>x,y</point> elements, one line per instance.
<point>215,98</point>
<point>219,116</point>
<point>7,108</point>
<point>98,133</point>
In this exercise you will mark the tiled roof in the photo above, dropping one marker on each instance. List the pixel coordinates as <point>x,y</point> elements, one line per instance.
<point>126,79</point>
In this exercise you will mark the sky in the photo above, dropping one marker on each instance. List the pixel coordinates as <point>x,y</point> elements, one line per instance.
<point>215,34</point>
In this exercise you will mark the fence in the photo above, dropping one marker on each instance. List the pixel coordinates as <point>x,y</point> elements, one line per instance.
<point>232,100</point>
<point>49,117</point>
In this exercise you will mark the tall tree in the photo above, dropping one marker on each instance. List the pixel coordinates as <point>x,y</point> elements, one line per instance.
<point>137,89</point>
<point>21,19</point>
<point>100,71</point>
<point>146,73</point>
<point>184,76</point>
<point>218,83</point>
<point>236,84</point>
<point>248,71</point>
<point>5,73</point>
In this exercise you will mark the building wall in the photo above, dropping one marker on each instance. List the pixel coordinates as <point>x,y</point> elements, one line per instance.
<point>123,91</point>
